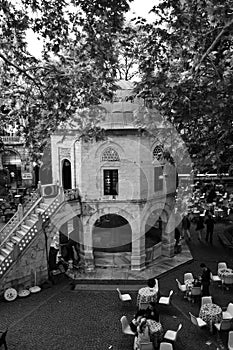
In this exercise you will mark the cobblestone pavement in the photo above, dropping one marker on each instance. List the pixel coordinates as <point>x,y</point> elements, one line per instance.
<point>60,318</point>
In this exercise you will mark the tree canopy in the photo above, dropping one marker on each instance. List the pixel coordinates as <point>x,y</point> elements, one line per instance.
<point>77,64</point>
<point>187,69</point>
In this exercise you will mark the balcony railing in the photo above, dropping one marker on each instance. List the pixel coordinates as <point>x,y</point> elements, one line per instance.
<point>12,139</point>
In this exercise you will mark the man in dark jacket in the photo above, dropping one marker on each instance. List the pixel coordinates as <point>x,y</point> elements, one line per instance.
<point>205,280</point>
<point>209,228</point>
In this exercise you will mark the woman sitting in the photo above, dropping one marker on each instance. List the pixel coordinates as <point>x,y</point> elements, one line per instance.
<point>142,334</point>
<point>136,320</point>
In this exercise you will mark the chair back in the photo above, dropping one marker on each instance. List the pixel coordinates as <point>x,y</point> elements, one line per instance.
<point>146,346</point>
<point>188,276</point>
<point>222,265</point>
<point>170,293</point>
<point>193,319</point>
<point>156,284</point>
<point>196,291</point>
<point>3,338</point>
<point>230,308</point>
<point>124,323</point>
<point>179,284</point>
<point>230,339</point>
<point>179,327</point>
<point>165,346</point>
<point>206,300</point>
<point>119,293</point>
<point>225,325</point>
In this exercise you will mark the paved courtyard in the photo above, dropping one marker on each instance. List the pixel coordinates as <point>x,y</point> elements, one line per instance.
<point>60,318</point>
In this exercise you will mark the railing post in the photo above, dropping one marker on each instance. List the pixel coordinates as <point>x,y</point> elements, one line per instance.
<point>39,188</point>
<point>20,212</point>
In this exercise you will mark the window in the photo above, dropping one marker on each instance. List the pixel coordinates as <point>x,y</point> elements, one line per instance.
<point>110,155</point>
<point>158,152</point>
<point>110,182</point>
<point>158,178</point>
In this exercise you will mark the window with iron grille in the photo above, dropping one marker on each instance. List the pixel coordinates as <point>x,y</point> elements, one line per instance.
<point>110,155</point>
<point>158,152</point>
<point>110,182</point>
<point>158,178</point>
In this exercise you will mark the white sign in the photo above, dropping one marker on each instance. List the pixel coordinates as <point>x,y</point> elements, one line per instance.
<point>26,176</point>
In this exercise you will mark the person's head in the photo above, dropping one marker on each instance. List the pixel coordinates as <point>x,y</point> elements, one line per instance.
<point>203,266</point>
<point>151,283</point>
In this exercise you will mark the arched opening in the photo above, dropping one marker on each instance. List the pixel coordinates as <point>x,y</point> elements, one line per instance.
<point>112,241</point>
<point>12,163</point>
<point>66,174</point>
<point>153,229</point>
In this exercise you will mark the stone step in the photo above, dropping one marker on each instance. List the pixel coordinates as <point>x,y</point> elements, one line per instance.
<point>15,239</point>
<point>43,206</point>
<point>30,222</point>
<point>34,217</point>
<point>25,228</point>
<point>9,245</point>
<point>2,257</point>
<point>5,251</point>
<point>39,210</point>
<point>20,234</point>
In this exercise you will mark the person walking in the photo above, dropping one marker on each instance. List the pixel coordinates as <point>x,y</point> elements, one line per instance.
<point>209,228</point>
<point>200,226</point>
<point>186,226</point>
<point>205,280</point>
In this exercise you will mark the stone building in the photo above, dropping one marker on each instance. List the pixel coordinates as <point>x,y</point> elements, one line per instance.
<point>127,188</point>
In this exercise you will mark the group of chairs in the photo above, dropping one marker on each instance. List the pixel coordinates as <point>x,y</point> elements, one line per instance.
<point>169,337</point>
<point>226,281</point>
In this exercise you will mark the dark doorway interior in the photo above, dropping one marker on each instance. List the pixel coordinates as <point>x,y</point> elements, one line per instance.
<point>66,174</point>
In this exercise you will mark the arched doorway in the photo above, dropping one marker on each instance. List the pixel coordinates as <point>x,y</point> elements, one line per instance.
<point>66,174</point>
<point>11,161</point>
<point>112,241</point>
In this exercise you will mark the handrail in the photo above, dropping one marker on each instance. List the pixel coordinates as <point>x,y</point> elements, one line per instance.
<point>15,218</point>
<point>21,221</point>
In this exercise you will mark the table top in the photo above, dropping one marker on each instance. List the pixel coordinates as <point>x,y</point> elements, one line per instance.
<point>154,326</point>
<point>146,291</point>
<point>211,309</point>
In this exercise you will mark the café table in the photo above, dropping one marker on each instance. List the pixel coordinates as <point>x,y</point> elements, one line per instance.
<point>211,313</point>
<point>156,332</point>
<point>146,295</point>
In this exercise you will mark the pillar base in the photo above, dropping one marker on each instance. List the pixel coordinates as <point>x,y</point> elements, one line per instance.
<point>138,263</point>
<point>89,261</point>
<point>168,249</point>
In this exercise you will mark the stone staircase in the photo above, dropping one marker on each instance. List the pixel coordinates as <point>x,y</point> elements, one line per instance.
<point>16,239</point>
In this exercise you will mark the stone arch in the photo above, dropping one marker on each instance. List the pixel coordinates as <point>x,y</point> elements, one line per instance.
<point>118,148</point>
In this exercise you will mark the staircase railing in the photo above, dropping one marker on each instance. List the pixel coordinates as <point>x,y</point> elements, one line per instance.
<point>16,218</point>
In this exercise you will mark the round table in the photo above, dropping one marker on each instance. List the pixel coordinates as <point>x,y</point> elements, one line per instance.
<point>156,332</point>
<point>211,313</point>
<point>146,295</point>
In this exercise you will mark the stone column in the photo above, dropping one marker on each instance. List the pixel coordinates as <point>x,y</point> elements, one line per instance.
<point>168,240</point>
<point>138,256</point>
<point>87,245</point>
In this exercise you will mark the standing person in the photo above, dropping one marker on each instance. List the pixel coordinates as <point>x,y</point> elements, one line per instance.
<point>200,226</point>
<point>186,226</point>
<point>209,228</point>
<point>205,280</point>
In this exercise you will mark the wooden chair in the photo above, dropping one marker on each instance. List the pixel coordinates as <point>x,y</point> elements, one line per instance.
<point>123,297</point>
<point>197,321</point>
<point>206,300</point>
<point>166,300</point>
<point>125,326</point>
<point>172,335</point>
<point>3,338</point>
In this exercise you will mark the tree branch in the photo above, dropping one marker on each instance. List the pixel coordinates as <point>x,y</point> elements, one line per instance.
<point>197,66</point>
<point>22,71</point>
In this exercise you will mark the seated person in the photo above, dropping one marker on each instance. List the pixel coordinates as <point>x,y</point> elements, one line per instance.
<point>196,282</point>
<point>143,335</point>
<point>136,320</point>
<point>152,313</point>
